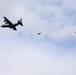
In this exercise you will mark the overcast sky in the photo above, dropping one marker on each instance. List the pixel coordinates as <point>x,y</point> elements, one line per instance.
<point>53,52</point>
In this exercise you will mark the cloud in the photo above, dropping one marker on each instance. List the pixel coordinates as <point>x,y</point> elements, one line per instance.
<point>32,58</point>
<point>70,4</point>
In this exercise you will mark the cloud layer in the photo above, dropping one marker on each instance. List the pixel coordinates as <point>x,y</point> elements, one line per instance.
<point>33,58</point>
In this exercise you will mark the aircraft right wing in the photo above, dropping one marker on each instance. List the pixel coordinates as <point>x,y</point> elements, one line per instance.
<point>7,21</point>
<point>14,28</point>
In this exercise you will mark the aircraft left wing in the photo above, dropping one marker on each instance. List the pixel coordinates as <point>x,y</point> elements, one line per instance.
<point>7,21</point>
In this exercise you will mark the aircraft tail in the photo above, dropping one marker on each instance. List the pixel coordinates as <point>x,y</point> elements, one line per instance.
<point>20,22</point>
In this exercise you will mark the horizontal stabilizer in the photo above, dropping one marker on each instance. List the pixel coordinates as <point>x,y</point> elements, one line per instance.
<point>20,22</point>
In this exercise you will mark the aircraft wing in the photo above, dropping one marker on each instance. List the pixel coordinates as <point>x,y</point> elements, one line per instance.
<point>7,21</point>
<point>5,26</point>
<point>14,28</point>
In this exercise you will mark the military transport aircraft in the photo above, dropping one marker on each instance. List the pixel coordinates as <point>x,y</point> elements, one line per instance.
<point>9,24</point>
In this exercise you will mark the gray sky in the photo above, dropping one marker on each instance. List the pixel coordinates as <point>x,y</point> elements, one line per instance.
<point>51,53</point>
